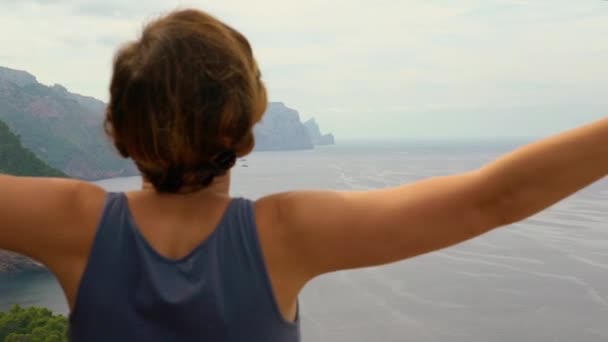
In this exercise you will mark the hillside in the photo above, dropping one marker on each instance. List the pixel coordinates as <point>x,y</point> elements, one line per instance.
<point>61,128</point>
<point>17,160</point>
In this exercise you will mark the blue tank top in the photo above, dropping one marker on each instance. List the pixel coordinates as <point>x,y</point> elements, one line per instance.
<point>220,292</point>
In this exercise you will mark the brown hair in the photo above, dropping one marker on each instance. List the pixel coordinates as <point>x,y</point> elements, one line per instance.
<point>184,99</point>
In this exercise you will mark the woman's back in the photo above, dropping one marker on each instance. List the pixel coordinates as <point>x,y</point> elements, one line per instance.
<point>197,276</point>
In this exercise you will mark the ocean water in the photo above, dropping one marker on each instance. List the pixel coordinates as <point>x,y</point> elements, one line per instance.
<point>544,279</point>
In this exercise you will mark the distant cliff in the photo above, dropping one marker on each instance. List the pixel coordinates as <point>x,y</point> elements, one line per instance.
<point>281,129</point>
<point>315,134</point>
<point>65,129</point>
<point>19,161</point>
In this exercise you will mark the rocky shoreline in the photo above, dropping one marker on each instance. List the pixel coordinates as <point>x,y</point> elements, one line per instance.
<point>15,263</point>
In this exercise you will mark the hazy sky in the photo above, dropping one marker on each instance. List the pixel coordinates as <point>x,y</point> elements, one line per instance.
<point>369,69</point>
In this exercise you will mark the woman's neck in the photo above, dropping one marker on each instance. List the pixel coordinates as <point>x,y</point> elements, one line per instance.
<point>219,186</point>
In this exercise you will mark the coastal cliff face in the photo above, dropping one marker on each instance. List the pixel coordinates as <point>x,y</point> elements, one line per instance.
<point>281,129</point>
<point>315,134</point>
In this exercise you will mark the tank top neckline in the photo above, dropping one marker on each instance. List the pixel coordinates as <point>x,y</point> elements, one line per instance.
<point>148,246</point>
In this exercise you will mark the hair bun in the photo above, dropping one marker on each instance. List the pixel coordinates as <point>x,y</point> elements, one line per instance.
<point>224,162</point>
<point>176,177</point>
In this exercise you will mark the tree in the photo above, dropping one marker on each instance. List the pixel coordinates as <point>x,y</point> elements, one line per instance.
<point>32,325</point>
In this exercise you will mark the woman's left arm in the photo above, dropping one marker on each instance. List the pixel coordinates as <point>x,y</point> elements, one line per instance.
<point>42,217</point>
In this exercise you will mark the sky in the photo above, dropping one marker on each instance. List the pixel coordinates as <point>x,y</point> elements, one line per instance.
<point>383,69</point>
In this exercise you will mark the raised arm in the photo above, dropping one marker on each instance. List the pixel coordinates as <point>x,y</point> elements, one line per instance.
<point>328,231</point>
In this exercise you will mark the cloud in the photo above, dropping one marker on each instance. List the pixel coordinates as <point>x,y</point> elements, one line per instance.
<point>7,59</point>
<point>118,9</point>
<point>111,41</point>
<point>41,2</point>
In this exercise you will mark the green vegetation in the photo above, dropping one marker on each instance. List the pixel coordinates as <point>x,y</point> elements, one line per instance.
<point>32,325</point>
<point>17,160</point>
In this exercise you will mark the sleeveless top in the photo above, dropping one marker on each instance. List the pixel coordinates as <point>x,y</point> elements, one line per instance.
<point>220,292</point>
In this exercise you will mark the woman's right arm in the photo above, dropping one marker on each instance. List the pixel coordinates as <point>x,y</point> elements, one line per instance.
<point>324,231</point>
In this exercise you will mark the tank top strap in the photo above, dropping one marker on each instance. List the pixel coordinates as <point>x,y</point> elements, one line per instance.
<point>111,228</point>
<point>241,232</point>
<point>247,262</point>
<point>106,250</point>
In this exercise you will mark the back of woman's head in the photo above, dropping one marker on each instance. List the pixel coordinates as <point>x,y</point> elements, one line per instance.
<point>184,99</point>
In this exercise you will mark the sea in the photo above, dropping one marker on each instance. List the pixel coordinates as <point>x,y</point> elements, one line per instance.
<point>543,279</point>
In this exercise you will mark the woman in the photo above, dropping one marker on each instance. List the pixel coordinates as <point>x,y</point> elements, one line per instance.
<point>180,260</point>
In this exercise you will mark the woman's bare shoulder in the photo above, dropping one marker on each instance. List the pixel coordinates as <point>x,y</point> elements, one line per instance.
<point>45,217</point>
